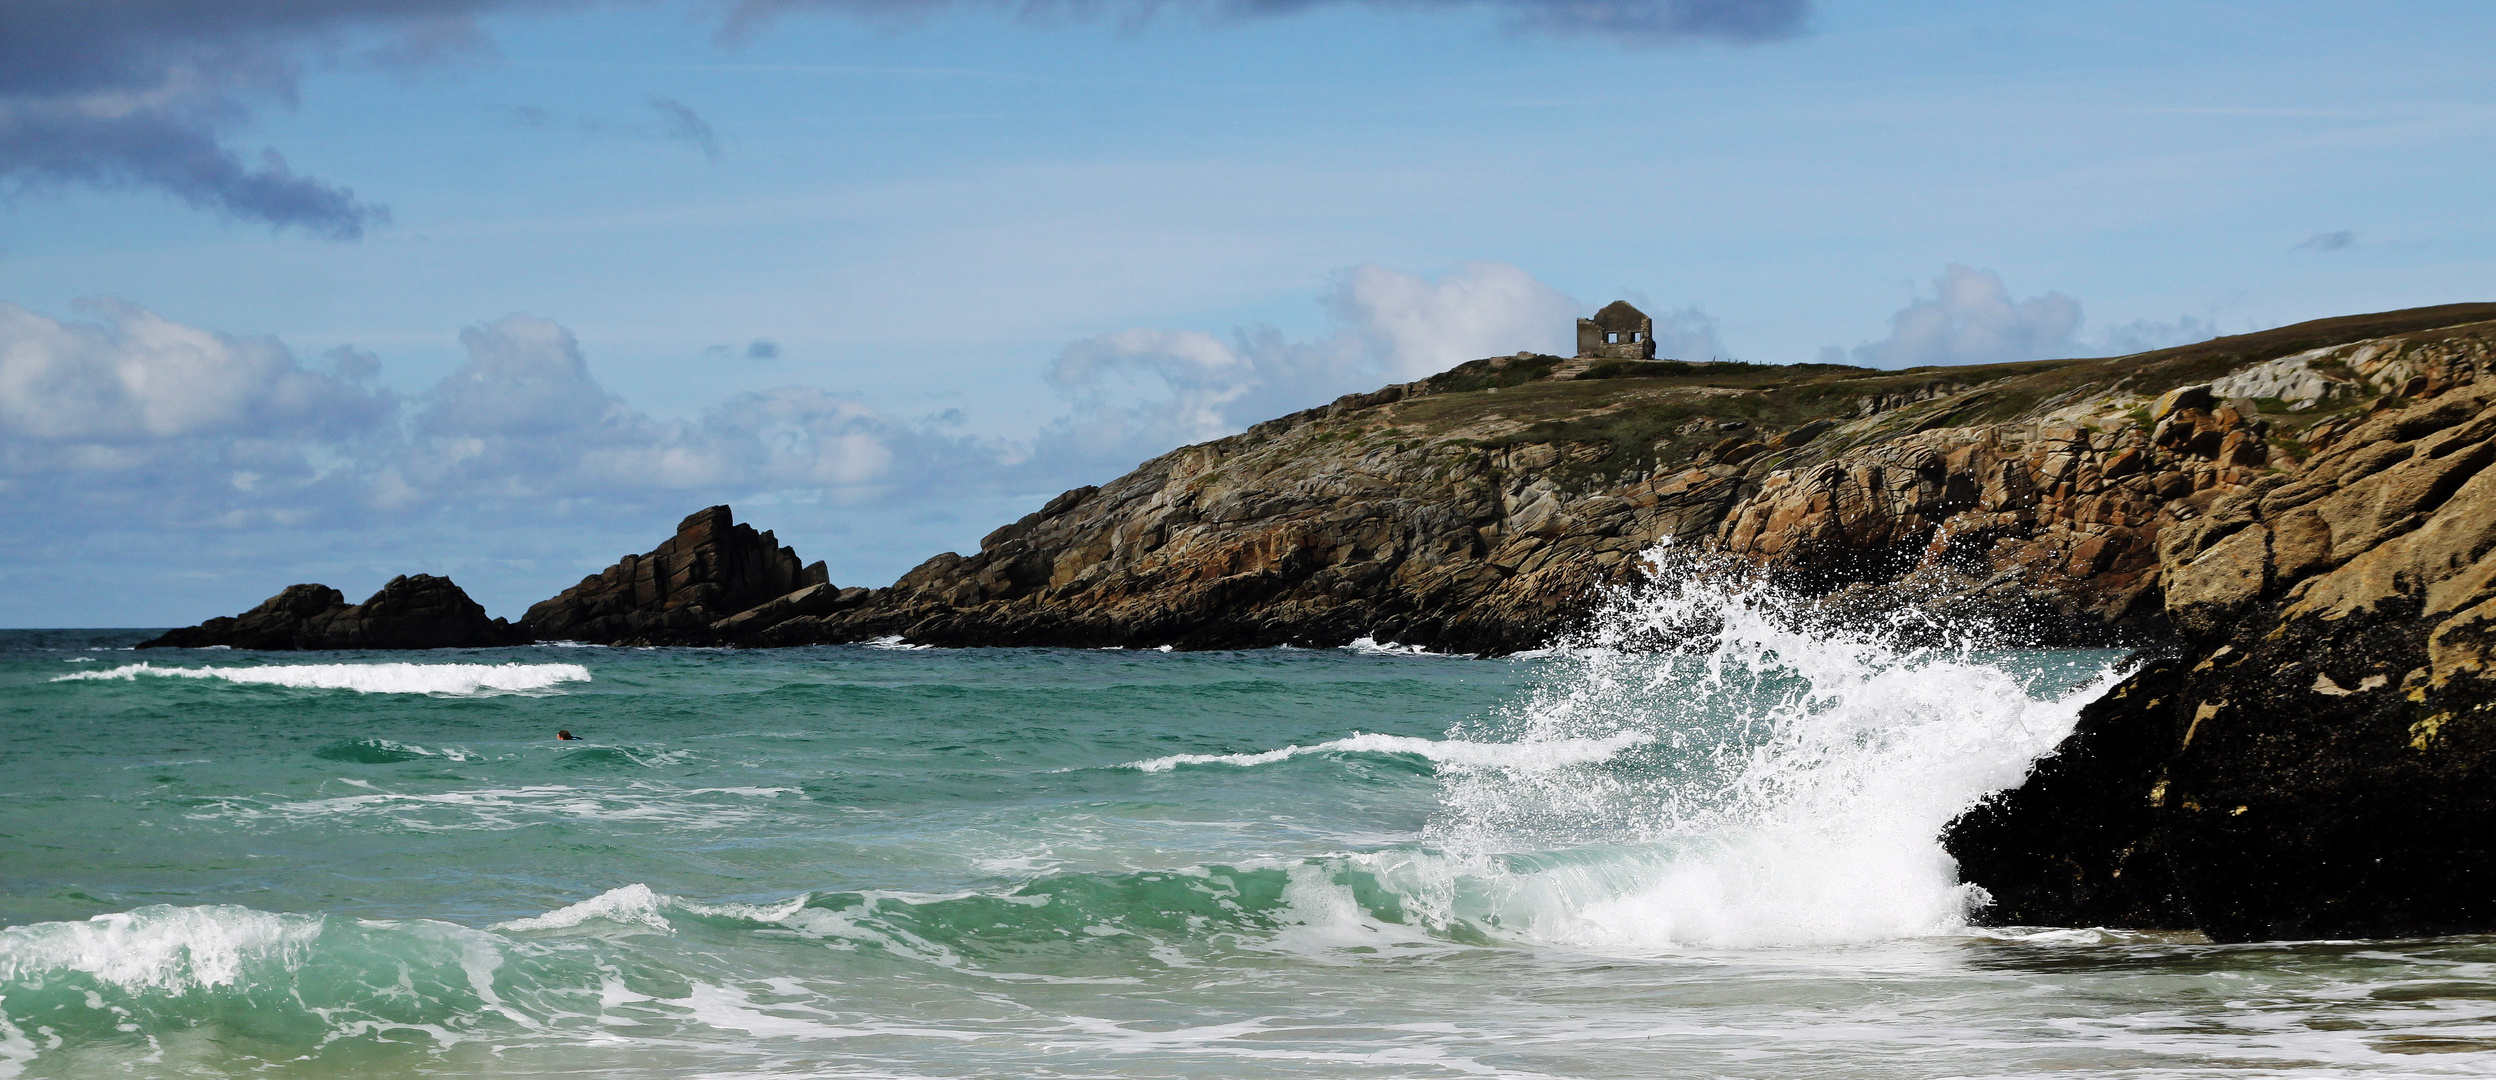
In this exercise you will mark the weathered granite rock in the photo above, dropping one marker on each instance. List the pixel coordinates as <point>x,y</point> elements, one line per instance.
<point>418,611</point>
<point>713,570</point>
<point>1480,509</point>
<point>2324,762</point>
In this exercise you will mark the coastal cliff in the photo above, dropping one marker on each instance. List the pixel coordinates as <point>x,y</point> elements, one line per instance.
<point>1479,509</point>
<point>2321,759</point>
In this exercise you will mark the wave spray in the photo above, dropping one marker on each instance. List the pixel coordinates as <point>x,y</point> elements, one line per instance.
<point>1786,781</point>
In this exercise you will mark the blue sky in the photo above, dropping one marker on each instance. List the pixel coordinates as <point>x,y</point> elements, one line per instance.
<point>884,274</point>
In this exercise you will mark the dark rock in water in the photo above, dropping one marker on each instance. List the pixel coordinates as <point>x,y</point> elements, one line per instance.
<point>2077,844</point>
<point>812,601</point>
<point>418,611</point>
<point>712,570</point>
<point>2323,761</point>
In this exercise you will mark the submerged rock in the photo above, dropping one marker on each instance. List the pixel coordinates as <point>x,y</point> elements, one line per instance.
<point>417,611</point>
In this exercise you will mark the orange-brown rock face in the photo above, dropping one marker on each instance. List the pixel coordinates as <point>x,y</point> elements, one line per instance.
<point>1243,543</point>
<point>2059,519</point>
<point>1481,510</point>
<point>2320,760</point>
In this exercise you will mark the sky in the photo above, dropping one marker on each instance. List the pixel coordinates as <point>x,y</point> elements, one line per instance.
<point>335,290</point>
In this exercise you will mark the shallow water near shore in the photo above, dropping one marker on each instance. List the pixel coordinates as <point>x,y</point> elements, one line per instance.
<point>873,862</point>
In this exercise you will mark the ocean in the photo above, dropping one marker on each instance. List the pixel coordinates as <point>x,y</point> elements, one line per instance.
<point>1711,860</point>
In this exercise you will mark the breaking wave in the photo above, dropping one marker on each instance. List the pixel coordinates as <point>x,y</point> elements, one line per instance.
<point>451,679</point>
<point>1790,784</point>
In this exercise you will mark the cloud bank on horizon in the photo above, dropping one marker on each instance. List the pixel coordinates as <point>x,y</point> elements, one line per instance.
<point>1971,318</point>
<point>126,418</point>
<point>150,93</point>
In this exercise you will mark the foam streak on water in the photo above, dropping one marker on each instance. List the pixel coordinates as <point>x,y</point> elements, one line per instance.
<point>1545,753</point>
<point>365,678</point>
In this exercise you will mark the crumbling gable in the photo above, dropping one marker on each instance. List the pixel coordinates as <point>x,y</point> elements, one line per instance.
<point>1618,332</point>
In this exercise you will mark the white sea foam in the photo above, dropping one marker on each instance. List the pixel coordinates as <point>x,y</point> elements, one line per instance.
<point>1807,776</point>
<point>1543,754</point>
<point>1370,646</point>
<point>638,905</point>
<point>894,641</point>
<point>503,809</point>
<point>631,905</point>
<point>459,679</point>
<point>161,948</point>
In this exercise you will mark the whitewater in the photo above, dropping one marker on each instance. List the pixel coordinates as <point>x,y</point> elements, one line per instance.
<point>1699,839</point>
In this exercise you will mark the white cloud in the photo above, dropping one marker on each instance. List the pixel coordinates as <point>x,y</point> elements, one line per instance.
<point>1972,319</point>
<point>1414,327</point>
<point>525,376</point>
<point>136,420</point>
<point>133,376</point>
<point>525,419</point>
<point>2144,335</point>
<point>1136,393</point>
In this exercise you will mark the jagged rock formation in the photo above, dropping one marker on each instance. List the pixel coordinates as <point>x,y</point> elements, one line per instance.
<point>713,570</point>
<point>411,612</point>
<point>1479,510</point>
<point>2322,762</point>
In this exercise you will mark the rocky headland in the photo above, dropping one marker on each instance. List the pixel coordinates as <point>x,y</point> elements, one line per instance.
<point>2299,524</point>
<point>1477,510</point>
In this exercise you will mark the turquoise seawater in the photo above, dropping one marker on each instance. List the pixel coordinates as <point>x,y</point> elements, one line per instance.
<point>865,861</point>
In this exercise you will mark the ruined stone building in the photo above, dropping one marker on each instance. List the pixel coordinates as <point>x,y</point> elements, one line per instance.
<point>1618,332</point>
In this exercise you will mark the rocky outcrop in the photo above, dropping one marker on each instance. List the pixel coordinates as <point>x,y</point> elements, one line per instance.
<point>411,612</point>
<point>2322,760</point>
<point>1480,509</point>
<point>713,571</point>
<point>1306,531</point>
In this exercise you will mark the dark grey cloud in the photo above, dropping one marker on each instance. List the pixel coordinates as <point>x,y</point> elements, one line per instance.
<point>2328,241</point>
<point>676,121</point>
<point>148,93</point>
<point>149,148</point>
<point>762,349</point>
<point>152,93</point>
<point>1640,22</point>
